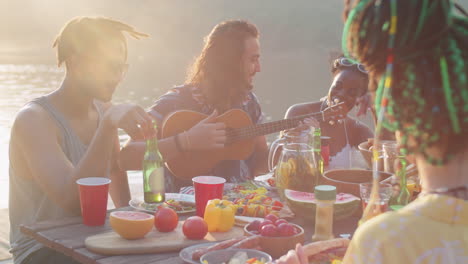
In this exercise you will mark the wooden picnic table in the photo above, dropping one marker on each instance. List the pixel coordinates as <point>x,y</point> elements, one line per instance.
<point>68,237</point>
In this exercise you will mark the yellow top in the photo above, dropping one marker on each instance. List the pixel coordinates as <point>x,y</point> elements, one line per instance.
<point>432,229</point>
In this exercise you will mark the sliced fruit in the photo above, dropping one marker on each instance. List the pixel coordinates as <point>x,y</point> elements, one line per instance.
<point>303,204</point>
<point>130,224</point>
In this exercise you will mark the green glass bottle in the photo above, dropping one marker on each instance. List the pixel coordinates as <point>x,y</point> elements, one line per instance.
<point>397,202</point>
<point>153,172</point>
<point>404,196</point>
<point>317,145</point>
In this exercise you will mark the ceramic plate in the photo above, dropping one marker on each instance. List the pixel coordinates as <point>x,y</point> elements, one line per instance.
<point>185,201</point>
<point>262,181</point>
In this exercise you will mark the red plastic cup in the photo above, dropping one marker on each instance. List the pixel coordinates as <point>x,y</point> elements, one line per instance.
<point>207,188</point>
<point>93,199</point>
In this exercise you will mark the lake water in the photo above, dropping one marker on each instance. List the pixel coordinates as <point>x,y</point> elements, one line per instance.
<point>20,83</point>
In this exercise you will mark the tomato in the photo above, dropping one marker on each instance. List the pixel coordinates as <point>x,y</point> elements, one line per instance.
<point>254,226</point>
<point>280,221</point>
<point>269,230</point>
<point>277,205</point>
<point>286,229</point>
<point>195,228</point>
<point>264,223</point>
<point>165,219</point>
<point>271,181</point>
<point>250,196</point>
<point>267,201</point>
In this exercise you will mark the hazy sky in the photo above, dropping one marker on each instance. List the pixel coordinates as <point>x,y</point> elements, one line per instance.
<point>30,25</point>
<point>297,37</point>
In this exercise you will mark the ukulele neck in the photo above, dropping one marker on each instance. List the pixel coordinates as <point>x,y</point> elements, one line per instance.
<point>238,134</point>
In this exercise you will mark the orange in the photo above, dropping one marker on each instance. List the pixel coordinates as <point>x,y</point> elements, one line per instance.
<point>130,224</point>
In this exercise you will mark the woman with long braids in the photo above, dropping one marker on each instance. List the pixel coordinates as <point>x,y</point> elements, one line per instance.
<point>416,53</point>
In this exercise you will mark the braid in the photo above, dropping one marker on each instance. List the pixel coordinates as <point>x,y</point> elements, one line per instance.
<point>428,76</point>
<point>347,8</point>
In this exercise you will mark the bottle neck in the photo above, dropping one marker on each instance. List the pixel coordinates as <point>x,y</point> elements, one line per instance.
<point>151,143</point>
<point>317,144</point>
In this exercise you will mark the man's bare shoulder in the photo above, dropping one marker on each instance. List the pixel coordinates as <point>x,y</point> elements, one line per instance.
<point>303,108</point>
<point>32,119</point>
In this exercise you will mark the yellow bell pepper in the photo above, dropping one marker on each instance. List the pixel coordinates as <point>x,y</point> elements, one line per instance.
<point>219,215</point>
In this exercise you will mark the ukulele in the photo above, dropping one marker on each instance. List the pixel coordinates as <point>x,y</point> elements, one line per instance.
<point>240,134</point>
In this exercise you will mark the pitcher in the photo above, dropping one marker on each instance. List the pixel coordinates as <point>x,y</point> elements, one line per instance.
<point>297,167</point>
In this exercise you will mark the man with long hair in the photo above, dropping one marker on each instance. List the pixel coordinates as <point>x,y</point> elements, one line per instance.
<point>71,133</point>
<point>220,79</point>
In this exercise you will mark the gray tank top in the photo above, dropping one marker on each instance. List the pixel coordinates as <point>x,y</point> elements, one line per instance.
<point>28,203</point>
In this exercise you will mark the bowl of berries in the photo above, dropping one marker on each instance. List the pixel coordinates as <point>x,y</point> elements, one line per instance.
<point>277,235</point>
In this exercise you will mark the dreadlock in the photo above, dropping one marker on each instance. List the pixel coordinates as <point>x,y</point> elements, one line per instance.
<point>418,72</point>
<point>82,34</point>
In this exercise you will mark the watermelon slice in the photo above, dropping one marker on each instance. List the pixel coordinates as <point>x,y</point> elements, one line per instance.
<point>303,204</point>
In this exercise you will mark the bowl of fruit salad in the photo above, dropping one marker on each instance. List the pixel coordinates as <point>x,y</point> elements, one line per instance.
<point>277,235</point>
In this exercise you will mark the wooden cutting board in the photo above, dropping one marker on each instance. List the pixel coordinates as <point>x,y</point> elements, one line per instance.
<point>111,243</point>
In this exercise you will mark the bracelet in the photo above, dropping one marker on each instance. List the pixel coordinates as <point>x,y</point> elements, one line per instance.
<point>177,143</point>
<point>187,140</point>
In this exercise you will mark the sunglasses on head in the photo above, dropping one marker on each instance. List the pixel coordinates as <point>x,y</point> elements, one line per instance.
<point>348,63</point>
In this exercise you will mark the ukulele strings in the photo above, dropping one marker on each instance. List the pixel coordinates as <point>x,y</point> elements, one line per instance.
<point>236,134</point>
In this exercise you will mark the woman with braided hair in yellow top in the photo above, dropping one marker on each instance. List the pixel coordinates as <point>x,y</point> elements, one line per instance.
<point>416,52</point>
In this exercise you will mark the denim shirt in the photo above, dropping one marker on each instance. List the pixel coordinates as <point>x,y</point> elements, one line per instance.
<point>187,97</point>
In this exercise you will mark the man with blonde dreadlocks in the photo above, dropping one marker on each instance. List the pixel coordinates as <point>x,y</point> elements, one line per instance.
<point>416,52</point>
<point>71,133</point>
